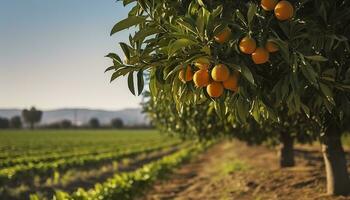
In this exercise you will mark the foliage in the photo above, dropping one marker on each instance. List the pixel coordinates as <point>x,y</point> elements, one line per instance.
<point>66,124</point>
<point>308,75</point>
<point>117,123</point>
<point>16,122</point>
<point>301,81</point>
<point>94,123</point>
<point>4,123</point>
<point>32,116</point>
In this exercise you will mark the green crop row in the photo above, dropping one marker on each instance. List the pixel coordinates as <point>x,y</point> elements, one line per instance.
<point>51,157</point>
<point>47,168</point>
<point>127,185</point>
<point>22,143</point>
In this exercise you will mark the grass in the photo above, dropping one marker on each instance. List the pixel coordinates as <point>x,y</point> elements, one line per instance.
<point>25,142</point>
<point>233,166</point>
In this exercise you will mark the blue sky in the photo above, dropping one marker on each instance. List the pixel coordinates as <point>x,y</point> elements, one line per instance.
<point>52,54</point>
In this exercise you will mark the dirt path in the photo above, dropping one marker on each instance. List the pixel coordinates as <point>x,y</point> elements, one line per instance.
<point>232,170</point>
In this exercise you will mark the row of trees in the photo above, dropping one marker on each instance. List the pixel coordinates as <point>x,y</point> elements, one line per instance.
<point>289,63</point>
<point>93,123</point>
<point>33,116</point>
<point>15,122</point>
<point>30,117</point>
<point>115,123</point>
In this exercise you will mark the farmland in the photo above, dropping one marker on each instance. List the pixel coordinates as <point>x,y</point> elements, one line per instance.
<point>45,162</point>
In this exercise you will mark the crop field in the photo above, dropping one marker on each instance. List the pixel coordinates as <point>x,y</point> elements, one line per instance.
<point>68,164</point>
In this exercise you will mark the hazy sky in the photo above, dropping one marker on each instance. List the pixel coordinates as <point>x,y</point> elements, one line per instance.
<point>52,54</point>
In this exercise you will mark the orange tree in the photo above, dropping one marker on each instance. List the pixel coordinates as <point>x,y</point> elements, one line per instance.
<point>250,58</point>
<point>200,121</point>
<point>193,122</point>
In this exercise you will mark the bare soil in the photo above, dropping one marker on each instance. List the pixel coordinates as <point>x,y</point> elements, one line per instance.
<point>233,170</point>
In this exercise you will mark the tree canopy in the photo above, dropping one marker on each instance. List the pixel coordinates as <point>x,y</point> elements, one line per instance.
<point>271,61</point>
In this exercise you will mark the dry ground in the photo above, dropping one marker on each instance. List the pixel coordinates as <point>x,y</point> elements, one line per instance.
<point>232,170</point>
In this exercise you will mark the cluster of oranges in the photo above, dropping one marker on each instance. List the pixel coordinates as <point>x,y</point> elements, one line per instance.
<point>260,55</point>
<point>219,78</point>
<point>284,10</point>
<point>215,81</point>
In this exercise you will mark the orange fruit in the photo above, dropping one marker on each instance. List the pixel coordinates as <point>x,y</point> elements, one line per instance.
<point>186,76</point>
<point>215,89</point>
<point>232,82</point>
<point>223,36</point>
<point>202,63</point>
<point>247,45</point>
<point>201,78</point>
<point>284,10</point>
<point>268,5</point>
<point>220,72</point>
<point>271,47</point>
<point>260,56</point>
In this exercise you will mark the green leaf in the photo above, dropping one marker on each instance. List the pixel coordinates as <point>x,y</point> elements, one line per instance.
<point>317,58</point>
<point>187,25</point>
<point>131,82</point>
<point>140,82</point>
<point>242,109</point>
<point>143,33</point>
<point>309,73</point>
<point>109,68</point>
<point>126,2</point>
<point>114,57</point>
<point>125,49</point>
<point>247,74</point>
<point>251,13</point>
<point>153,84</point>
<point>200,2</point>
<point>327,92</point>
<point>306,110</point>
<point>179,44</point>
<point>115,75</point>
<point>200,22</point>
<point>217,11</point>
<point>127,23</point>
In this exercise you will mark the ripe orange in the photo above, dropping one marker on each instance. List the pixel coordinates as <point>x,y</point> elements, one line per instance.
<point>202,63</point>
<point>271,47</point>
<point>220,73</point>
<point>268,5</point>
<point>284,10</point>
<point>223,36</point>
<point>201,78</point>
<point>247,45</point>
<point>232,82</point>
<point>215,89</point>
<point>260,56</point>
<point>185,77</point>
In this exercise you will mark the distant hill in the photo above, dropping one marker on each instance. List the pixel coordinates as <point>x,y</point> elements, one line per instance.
<point>82,116</point>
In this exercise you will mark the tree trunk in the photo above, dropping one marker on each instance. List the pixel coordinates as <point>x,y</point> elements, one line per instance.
<point>31,126</point>
<point>338,182</point>
<point>286,153</point>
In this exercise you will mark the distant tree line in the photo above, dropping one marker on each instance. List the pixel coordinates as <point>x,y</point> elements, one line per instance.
<point>94,123</point>
<point>14,122</point>
<point>31,117</point>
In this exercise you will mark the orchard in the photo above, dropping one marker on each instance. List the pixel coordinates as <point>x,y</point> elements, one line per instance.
<point>279,68</point>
